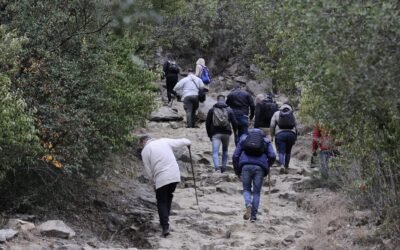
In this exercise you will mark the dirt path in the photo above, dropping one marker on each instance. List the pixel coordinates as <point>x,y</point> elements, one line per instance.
<point>217,222</point>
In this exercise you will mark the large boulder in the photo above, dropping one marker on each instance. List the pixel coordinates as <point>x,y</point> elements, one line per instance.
<point>255,88</point>
<point>205,107</point>
<point>7,234</point>
<point>165,114</point>
<point>56,228</point>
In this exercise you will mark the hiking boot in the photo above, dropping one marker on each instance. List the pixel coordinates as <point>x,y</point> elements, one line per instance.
<point>247,214</point>
<point>223,169</point>
<point>286,170</point>
<point>282,170</point>
<point>165,233</point>
<point>253,219</point>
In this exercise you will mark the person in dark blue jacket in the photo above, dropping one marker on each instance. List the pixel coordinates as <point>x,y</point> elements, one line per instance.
<point>252,170</point>
<point>241,102</point>
<point>219,125</point>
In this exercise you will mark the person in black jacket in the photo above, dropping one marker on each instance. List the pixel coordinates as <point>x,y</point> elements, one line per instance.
<point>241,103</point>
<point>171,71</point>
<point>219,120</point>
<point>265,109</point>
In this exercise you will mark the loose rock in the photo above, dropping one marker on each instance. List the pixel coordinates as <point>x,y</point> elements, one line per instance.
<point>7,234</point>
<point>56,228</point>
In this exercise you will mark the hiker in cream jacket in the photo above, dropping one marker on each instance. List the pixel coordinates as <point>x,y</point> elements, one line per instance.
<point>161,166</point>
<point>188,89</point>
<point>200,64</point>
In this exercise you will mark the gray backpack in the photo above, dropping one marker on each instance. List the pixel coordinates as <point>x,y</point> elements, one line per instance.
<point>221,118</point>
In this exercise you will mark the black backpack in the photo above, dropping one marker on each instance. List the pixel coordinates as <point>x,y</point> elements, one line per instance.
<point>173,68</point>
<point>254,143</point>
<point>270,109</point>
<point>286,119</point>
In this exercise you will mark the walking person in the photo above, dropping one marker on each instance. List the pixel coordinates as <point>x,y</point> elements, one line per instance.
<point>283,129</point>
<point>163,170</point>
<point>189,88</point>
<point>171,71</point>
<point>219,123</point>
<point>322,140</point>
<point>265,109</point>
<point>253,157</point>
<point>242,103</point>
<point>202,71</point>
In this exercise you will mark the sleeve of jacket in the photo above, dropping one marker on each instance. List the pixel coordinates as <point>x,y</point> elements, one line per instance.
<point>165,67</point>
<point>273,123</point>
<point>257,118</point>
<point>229,100</point>
<point>251,105</point>
<point>147,164</point>
<point>178,143</point>
<point>233,121</point>
<point>270,154</point>
<point>235,159</point>
<point>199,68</point>
<point>178,85</point>
<point>209,122</point>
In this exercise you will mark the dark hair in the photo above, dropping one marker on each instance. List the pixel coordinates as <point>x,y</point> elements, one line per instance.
<point>143,138</point>
<point>220,97</point>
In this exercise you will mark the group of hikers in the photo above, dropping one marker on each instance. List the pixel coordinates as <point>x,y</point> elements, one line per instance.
<point>254,154</point>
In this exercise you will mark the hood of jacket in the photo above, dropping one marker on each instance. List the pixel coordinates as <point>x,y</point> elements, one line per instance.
<point>286,106</point>
<point>221,105</point>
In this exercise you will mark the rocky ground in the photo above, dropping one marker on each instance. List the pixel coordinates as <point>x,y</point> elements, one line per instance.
<point>297,211</point>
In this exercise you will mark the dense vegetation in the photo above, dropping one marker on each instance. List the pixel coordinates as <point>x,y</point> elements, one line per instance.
<point>73,86</point>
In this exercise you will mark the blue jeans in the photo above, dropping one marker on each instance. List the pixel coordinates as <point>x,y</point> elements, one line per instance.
<point>284,142</point>
<point>243,126</point>
<point>217,140</point>
<point>252,175</point>
<point>324,157</point>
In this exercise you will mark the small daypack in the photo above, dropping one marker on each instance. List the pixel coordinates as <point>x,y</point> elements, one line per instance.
<point>220,118</point>
<point>172,67</point>
<point>205,75</point>
<point>286,119</point>
<point>254,143</point>
<point>202,92</point>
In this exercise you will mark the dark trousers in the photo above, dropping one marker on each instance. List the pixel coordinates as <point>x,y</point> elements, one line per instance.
<point>191,104</point>
<point>164,197</point>
<point>243,126</point>
<point>284,142</point>
<point>171,82</point>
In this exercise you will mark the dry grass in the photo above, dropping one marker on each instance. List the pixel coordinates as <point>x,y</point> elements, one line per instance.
<point>332,213</point>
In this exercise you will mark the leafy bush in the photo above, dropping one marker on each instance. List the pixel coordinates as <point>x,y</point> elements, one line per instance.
<point>344,57</point>
<point>80,79</point>
<point>19,144</point>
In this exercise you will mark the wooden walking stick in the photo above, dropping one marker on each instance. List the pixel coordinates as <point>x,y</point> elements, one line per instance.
<point>194,179</point>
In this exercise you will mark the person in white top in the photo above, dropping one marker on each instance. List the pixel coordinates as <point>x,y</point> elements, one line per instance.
<point>161,167</point>
<point>188,88</point>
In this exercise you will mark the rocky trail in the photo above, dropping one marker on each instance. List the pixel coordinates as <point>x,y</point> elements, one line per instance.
<point>296,211</point>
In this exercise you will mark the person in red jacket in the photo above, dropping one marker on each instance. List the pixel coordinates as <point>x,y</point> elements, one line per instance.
<point>323,140</point>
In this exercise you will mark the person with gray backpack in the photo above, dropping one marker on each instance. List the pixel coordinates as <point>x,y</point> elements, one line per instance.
<point>284,129</point>
<point>219,123</point>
